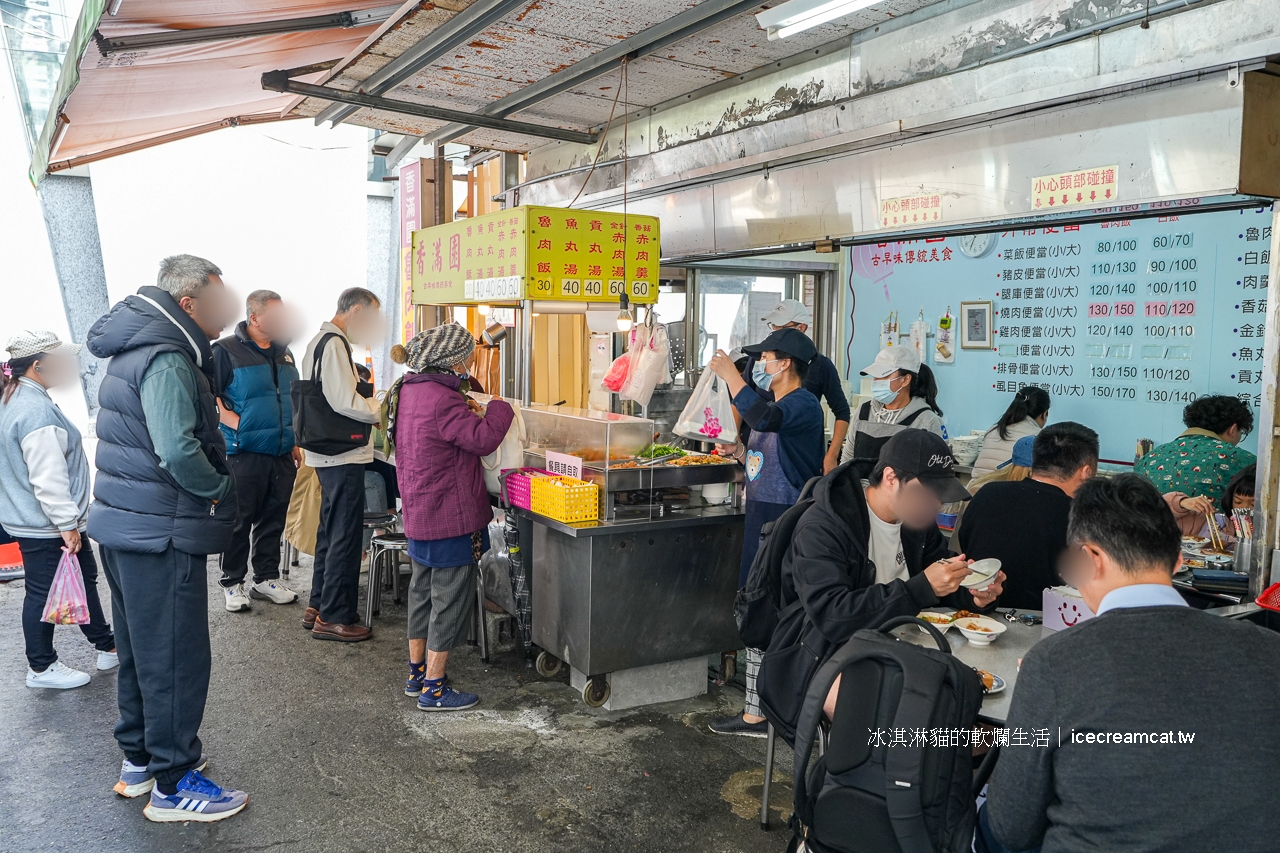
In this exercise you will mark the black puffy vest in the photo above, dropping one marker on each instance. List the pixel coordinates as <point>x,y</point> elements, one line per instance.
<point>138,506</point>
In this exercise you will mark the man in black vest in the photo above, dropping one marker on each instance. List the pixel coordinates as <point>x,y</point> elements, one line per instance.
<point>163,501</point>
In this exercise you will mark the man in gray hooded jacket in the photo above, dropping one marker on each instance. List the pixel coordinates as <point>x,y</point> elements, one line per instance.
<point>163,501</point>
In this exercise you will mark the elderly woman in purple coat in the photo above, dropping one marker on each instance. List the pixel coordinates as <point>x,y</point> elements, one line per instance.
<point>440,435</point>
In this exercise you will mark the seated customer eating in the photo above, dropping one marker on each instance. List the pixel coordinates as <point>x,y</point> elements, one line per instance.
<point>1024,524</point>
<point>1158,722</point>
<point>862,554</point>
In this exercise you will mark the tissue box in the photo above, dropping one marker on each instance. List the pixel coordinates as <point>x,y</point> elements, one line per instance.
<point>1063,607</point>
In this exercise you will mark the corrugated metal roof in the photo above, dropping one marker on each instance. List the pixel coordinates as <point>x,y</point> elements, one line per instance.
<point>546,36</point>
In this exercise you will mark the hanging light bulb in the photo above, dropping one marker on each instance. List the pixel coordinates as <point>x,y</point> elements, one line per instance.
<point>625,321</point>
<point>483,309</point>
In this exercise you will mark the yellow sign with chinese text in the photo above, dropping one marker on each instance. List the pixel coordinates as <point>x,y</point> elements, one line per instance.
<point>1082,188</point>
<point>538,253</point>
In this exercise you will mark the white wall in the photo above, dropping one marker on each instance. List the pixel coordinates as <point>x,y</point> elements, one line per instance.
<point>29,296</point>
<point>280,206</point>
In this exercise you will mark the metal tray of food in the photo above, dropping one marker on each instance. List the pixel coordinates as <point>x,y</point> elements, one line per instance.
<point>668,476</point>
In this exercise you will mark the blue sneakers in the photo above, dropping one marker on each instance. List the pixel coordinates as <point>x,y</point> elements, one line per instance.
<point>136,781</point>
<point>445,698</point>
<point>196,799</point>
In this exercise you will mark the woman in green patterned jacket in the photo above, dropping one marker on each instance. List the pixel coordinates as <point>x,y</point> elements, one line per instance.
<point>1202,460</point>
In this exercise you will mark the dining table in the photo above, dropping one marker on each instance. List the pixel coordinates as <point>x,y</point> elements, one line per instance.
<point>999,657</point>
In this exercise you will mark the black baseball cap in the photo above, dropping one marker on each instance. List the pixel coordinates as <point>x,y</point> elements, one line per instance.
<point>921,454</point>
<point>792,343</point>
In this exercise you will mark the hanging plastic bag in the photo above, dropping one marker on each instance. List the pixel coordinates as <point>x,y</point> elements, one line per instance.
<point>67,603</point>
<point>708,416</point>
<point>617,375</point>
<point>651,359</point>
<point>510,454</point>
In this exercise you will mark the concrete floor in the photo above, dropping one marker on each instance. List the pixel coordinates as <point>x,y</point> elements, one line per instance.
<point>336,758</point>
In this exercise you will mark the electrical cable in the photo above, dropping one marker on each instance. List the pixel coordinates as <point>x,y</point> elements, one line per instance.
<point>622,76</point>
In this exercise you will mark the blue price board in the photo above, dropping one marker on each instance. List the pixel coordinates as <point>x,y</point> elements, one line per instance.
<point>1124,322</point>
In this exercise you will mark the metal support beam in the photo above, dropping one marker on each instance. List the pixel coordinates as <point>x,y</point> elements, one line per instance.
<point>177,38</point>
<point>656,37</point>
<point>279,81</point>
<point>459,29</point>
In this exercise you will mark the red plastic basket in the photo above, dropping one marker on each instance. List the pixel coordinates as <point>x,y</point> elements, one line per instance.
<point>1270,598</point>
<point>516,490</point>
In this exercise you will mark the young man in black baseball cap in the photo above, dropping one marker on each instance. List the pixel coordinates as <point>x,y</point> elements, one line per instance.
<point>863,554</point>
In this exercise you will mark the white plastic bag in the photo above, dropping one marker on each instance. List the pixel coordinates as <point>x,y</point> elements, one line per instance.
<point>708,416</point>
<point>510,454</point>
<point>651,350</point>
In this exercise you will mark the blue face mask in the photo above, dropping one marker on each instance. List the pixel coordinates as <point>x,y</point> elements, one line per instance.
<point>883,392</point>
<point>760,376</point>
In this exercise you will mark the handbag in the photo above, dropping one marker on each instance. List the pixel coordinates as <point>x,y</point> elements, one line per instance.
<point>510,454</point>
<point>317,428</point>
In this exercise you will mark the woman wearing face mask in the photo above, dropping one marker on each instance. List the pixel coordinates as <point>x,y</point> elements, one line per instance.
<point>440,434</point>
<point>784,451</point>
<point>44,498</point>
<point>904,396</point>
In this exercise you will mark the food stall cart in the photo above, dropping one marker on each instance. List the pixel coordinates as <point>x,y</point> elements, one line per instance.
<point>636,598</point>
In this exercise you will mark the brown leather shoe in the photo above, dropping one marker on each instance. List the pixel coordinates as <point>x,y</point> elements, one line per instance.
<point>342,633</point>
<point>309,618</point>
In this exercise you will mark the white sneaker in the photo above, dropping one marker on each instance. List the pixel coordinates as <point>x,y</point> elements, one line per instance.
<point>108,661</point>
<point>274,591</point>
<point>58,676</point>
<point>235,598</point>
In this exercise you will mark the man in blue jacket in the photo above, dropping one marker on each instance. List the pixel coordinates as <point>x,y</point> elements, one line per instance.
<point>255,370</point>
<point>163,502</point>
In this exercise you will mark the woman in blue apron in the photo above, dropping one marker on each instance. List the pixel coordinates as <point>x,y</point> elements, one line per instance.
<point>783,452</point>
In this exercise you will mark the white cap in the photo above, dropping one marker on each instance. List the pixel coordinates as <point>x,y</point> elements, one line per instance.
<point>892,359</point>
<point>789,311</point>
<point>28,343</point>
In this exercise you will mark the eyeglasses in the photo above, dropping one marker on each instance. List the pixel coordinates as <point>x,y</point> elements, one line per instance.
<point>1027,619</point>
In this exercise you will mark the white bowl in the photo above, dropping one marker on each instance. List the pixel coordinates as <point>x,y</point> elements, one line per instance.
<point>943,626</point>
<point>969,625</point>
<point>980,573</point>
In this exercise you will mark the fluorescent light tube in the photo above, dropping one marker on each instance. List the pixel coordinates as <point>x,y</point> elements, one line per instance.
<point>800,15</point>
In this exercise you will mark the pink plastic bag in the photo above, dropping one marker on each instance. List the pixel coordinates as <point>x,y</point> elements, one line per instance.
<point>618,372</point>
<point>67,603</point>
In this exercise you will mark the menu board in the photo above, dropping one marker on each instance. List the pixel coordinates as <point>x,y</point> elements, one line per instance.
<point>1123,322</point>
<point>537,253</point>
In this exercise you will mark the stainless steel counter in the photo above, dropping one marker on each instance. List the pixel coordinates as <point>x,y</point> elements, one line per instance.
<point>673,520</point>
<point>619,594</point>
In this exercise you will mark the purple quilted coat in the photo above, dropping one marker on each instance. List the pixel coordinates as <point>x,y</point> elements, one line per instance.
<point>439,442</point>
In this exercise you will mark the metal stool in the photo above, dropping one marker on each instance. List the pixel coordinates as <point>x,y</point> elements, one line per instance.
<point>384,556</point>
<point>770,745</point>
<point>290,558</point>
<point>385,521</point>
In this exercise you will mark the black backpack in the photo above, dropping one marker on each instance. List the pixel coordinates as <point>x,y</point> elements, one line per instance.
<point>757,604</point>
<point>866,795</point>
<point>317,428</point>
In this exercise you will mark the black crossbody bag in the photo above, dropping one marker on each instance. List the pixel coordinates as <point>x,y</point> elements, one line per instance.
<point>317,428</point>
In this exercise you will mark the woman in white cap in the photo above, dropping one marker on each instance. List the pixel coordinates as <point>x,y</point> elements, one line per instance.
<point>44,498</point>
<point>904,395</point>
